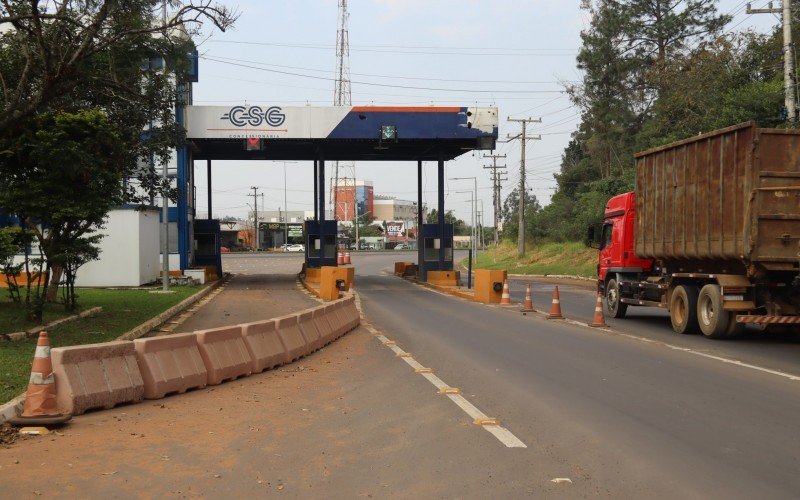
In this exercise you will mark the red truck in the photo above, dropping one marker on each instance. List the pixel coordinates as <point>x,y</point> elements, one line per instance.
<point>711,234</point>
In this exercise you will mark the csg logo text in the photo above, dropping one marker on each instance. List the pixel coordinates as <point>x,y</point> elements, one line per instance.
<point>254,116</point>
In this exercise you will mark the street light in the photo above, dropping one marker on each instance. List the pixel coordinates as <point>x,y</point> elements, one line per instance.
<point>474,233</point>
<point>472,250</point>
<point>285,205</point>
<point>472,216</point>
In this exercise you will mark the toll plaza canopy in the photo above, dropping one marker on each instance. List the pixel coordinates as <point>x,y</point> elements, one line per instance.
<point>358,133</point>
<point>320,134</point>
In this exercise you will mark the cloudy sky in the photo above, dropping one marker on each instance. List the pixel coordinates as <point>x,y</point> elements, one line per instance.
<point>513,54</point>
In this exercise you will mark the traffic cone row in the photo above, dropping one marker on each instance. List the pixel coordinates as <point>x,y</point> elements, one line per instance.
<point>598,320</point>
<point>347,257</point>
<point>528,307</point>
<point>555,308</point>
<point>505,298</point>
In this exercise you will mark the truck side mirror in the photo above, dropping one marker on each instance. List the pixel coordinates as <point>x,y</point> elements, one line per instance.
<point>590,241</point>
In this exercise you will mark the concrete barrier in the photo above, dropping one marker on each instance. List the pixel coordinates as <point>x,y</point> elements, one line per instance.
<point>291,336</point>
<point>325,324</point>
<point>96,376</point>
<point>308,326</point>
<point>444,278</point>
<point>264,345</point>
<point>170,364</point>
<point>352,316</point>
<point>336,319</point>
<point>224,353</point>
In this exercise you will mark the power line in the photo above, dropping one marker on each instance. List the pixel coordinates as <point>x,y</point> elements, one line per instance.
<point>410,87</point>
<point>391,77</point>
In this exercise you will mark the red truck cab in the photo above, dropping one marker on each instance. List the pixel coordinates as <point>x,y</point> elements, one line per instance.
<point>616,239</point>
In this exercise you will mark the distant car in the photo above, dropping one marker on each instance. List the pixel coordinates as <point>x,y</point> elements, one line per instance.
<point>224,250</point>
<point>295,248</point>
<point>402,246</point>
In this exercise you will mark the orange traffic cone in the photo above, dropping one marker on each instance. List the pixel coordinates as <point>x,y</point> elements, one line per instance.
<point>598,320</point>
<point>40,400</point>
<point>555,309</point>
<point>339,259</point>
<point>505,298</point>
<point>347,257</point>
<point>528,307</point>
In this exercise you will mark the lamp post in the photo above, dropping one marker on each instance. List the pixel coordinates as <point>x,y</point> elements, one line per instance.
<point>472,249</point>
<point>473,233</point>
<point>285,205</point>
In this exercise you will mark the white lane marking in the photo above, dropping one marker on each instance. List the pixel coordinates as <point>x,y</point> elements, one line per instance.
<point>501,433</point>
<point>688,350</point>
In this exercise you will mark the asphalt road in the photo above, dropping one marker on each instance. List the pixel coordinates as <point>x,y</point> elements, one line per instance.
<point>632,418</point>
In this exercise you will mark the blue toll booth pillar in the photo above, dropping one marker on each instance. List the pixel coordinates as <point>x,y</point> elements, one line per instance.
<point>421,269</point>
<point>440,168</point>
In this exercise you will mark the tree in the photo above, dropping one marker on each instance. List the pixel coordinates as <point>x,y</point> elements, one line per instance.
<point>511,213</point>
<point>657,30</point>
<point>61,49</point>
<point>62,179</point>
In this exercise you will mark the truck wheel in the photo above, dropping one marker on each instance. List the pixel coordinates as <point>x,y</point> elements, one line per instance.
<point>715,322</point>
<point>616,309</point>
<point>683,309</point>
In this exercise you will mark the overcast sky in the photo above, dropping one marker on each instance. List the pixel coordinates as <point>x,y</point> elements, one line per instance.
<point>513,54</point>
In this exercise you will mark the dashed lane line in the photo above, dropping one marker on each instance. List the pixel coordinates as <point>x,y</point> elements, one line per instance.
<point>491,425</point>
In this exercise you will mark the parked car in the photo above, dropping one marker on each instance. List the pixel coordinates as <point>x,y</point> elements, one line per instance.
<point>224,250</point>
<point>402,246</point>
<point>295,248</point>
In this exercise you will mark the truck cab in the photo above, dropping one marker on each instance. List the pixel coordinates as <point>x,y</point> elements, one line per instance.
<point>616,241</point>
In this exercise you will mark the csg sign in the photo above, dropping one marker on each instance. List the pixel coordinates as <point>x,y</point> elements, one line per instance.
<point>254,116</point>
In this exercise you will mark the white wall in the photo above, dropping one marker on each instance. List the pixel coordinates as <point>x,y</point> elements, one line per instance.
<point>128,251</point>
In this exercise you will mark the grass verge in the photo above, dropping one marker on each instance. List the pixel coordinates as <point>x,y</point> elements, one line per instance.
<point>122,310</point>
<point>571,258</point>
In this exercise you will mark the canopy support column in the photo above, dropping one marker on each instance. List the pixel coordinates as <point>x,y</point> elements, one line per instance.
<point>422,273</point>
<point>208,176</point>
<point>441,213</point>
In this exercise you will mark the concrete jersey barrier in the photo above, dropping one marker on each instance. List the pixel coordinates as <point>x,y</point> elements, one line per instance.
<point>325,324</point>
<point>224,353</point>
<point>96,376</point>
<point>311,333</point>
<point>292,337</point>
<point>170,364</point>
<point>264,345</point>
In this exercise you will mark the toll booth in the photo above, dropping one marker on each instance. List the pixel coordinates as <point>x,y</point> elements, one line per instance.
<point>325,232</point>
<point>207,244</point>
<point>433,243</point>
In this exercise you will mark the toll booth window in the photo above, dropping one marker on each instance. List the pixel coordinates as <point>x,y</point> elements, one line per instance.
<point>431,249</point>
<point>608,231</point>
<point>330,246</point>
<point>206,243</point>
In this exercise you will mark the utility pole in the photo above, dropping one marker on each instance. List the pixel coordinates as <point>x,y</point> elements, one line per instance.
<point>523,140</point>
<point>255,216</point>
<point>788,57</point>
<point>494,167</point>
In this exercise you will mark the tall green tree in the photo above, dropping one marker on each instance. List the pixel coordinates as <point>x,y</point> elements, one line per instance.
<point>63,178</point>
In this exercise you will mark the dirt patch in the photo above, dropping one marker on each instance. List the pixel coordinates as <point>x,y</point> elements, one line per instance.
<point>9,435</point>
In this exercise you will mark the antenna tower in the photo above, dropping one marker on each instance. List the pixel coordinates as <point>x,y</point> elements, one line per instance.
<point>345,173</point>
